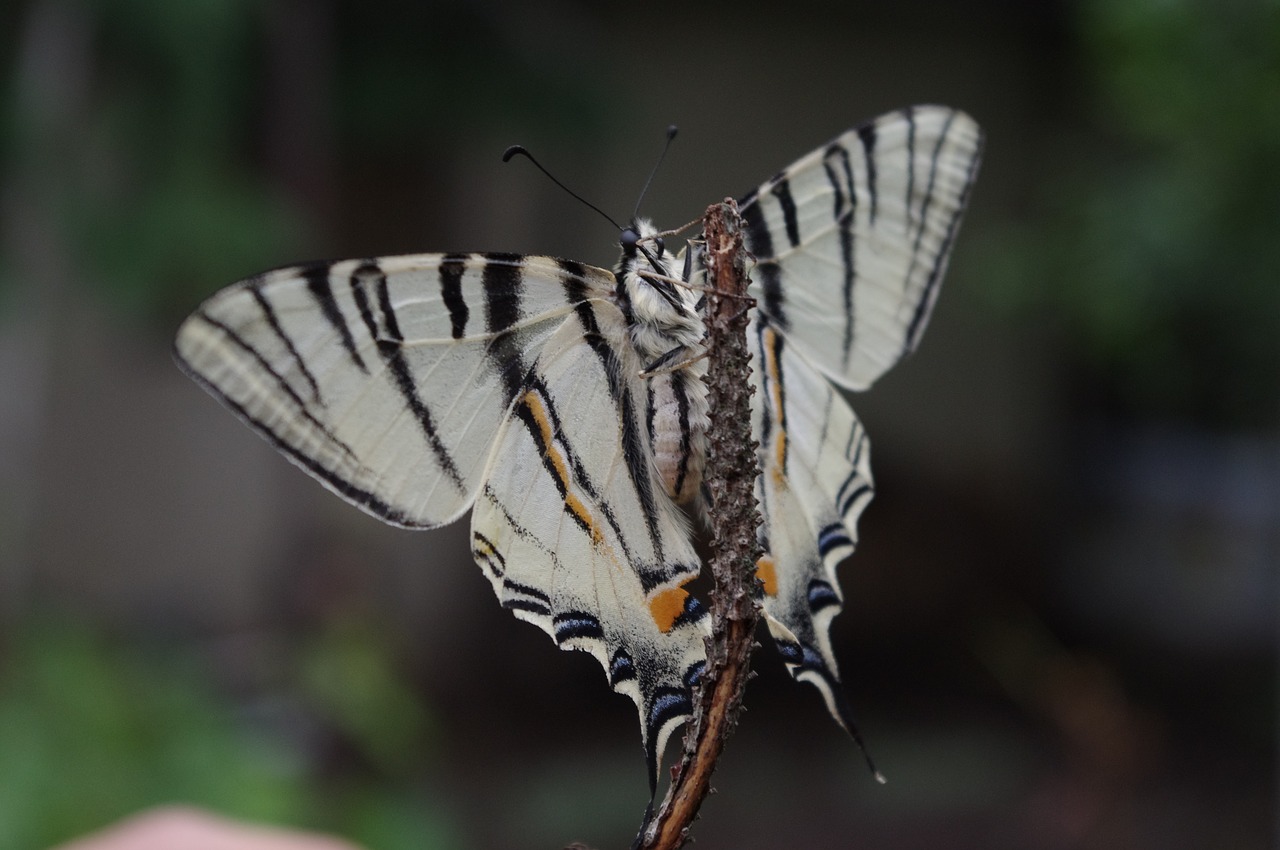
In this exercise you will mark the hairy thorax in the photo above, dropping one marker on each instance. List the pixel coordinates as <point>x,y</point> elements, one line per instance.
<point>664,317</point>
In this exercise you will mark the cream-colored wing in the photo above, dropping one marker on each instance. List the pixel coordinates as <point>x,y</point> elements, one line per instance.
<point>575,532</point>
<point>385,379</point>
<point>853,239</point>
<point>815,481</point>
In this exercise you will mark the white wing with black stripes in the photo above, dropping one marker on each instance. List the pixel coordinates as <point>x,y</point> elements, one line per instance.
<point>385,379</point>
<point>412,385</point>
<point>566,402</point>
<point>851,243</point>
<point>816,481</point>
<point>574,530</point>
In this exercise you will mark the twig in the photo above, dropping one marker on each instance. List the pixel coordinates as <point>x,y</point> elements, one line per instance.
<point>731,472</point>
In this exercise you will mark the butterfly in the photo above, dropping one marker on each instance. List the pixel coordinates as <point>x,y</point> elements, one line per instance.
<point>564,404</point>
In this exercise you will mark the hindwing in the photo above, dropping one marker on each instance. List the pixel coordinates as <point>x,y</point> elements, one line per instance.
<point>574,530</point>
<point>851,243</point>
<point>815,481</point>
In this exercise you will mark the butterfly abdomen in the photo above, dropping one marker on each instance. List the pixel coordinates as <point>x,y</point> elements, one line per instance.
<point>678,421</point>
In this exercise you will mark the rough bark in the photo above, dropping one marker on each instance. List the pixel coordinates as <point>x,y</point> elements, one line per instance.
<point>730,476</point>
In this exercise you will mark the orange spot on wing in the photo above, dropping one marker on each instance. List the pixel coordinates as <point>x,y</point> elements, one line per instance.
<point>767,572</point>
<point>667,606</point>
<point>773,370</point>
<point>575,505</point>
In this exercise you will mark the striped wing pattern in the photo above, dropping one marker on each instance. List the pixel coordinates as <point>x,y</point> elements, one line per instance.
<point>851,243</point>
<point>574,531</point>
<point>417,386</point>
<point>815,482</point>
<point>385,379</point>
<point>414,386</point>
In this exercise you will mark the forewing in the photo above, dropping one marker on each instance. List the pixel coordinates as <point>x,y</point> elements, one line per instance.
<point>853,239</point>
<point>385,379</point>
<point>815,481</point>
<point>575,532</point>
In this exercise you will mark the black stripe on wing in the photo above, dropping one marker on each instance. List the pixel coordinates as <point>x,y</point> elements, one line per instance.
<point>854,489</point>
<point>621,668</point>
<point>317,280</point>
<point>867,135</point>
<point>576,625</point>
<point>840,175</point>
<point>760,244</point>
<point>926,296</point>
<point>502,280</point>
<point>523,597</point>
<point>782,191</point>
<point>341,485</point>
<point>393,355</point>
<point>667,707</point>
<point>832,538</point>
<point>574,281</point>
<point>503,286</point>
<point>944,251</point>
<point>360,294</point>
<point>909,116</point>
<point>678,386</point>
<point>769,346</point>
<point>371,274</point>
<point>452,267</point>
<point>254,285</point>
<point>635,450</point>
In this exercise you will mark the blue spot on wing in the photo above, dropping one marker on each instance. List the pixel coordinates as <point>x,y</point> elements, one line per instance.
<point>822,595</point>
<point>832,537</point>
<point>576,624</point>
<point>694,674</point>
<point>621,668</point>
<point>693,611</point>
<point>791,652</point>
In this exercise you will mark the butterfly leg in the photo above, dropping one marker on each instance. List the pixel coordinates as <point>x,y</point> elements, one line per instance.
<point>673,361</point>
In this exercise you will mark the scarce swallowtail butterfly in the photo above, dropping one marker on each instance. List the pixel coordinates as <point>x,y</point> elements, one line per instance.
<point>565,405</point>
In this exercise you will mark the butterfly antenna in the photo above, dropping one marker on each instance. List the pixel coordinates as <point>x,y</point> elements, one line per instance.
<point>671,134</point>
<point>520,150</point>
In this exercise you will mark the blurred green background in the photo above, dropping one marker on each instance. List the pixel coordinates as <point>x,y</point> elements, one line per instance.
<point>1061,627</point>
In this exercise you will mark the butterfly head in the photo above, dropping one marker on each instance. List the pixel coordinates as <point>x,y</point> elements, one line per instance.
<point>640,242</point>
<point>640,238</point>
<point>651,288</point>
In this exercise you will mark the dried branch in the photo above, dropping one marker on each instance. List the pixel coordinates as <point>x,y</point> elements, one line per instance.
<point>731,472</point>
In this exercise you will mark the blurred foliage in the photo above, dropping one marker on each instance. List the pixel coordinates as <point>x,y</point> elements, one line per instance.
<point>92,732</point>
<point>139,168</point>
<point>397,80</point>
<point>1153,237</point>
<point>160,179</point>
<point>348,676</point>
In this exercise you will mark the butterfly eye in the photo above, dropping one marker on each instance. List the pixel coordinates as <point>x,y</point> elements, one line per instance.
<point>629,239</point>
<point>662,246</point>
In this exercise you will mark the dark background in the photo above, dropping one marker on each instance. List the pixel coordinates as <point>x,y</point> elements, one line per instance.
<point>1061,625</point>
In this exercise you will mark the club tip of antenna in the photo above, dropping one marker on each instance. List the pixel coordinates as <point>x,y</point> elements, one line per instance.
<point>671,131</point>
<point>514,150</point>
